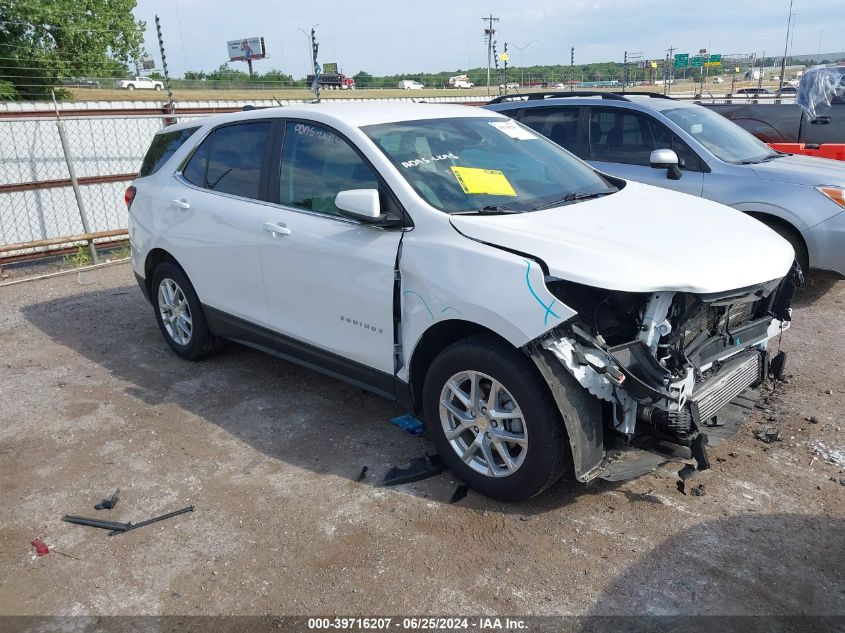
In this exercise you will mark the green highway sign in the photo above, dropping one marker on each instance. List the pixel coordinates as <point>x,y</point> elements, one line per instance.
<point>681,60</point>
<point>697,62</point>
<point>715,57</point>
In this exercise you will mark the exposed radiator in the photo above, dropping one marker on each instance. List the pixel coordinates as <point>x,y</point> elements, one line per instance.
<point>737,375</point>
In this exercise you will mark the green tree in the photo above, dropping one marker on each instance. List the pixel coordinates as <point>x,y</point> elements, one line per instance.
<point>226,73</point>
<point>363,79</point>
<point>42,42</point>
<point>274,75</point>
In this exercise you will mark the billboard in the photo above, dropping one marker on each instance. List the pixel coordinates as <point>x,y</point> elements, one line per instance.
<point>246,48</point>
<point>330,68</point>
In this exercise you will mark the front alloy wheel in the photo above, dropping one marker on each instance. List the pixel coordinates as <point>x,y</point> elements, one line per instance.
<point>175,312</point>
<point>483,424</point>
<point>481,400</point>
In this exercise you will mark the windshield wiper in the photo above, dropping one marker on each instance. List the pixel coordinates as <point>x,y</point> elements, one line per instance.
<point>490,209</point>
<point>763,159</point>
<point>576,196</point>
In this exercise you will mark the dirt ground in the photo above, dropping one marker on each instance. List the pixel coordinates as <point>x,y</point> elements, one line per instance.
<point>268,453</point>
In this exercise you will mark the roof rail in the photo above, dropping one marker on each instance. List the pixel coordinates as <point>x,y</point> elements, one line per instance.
<point>536,96</point>
<point>643,93</point>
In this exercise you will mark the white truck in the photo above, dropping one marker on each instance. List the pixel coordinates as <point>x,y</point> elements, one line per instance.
<point>409,84</point>
<point>140,83</point>
<point>459,81</point>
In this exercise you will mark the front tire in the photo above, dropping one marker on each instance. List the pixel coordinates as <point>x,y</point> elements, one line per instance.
<point>179,314</point>
<point>493,420</point>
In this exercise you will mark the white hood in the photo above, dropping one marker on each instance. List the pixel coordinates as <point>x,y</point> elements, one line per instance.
<point>642,239</point>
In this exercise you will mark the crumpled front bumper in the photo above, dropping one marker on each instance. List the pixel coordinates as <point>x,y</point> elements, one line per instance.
<point>614,376</point>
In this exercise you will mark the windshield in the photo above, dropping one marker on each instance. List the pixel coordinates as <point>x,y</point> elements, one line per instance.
<point>485,165</point>
<point>724,139</point>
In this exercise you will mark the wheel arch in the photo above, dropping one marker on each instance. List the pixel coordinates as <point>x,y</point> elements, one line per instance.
<point>155,257</point>
<point>772,220</point>
<point>433,341</point>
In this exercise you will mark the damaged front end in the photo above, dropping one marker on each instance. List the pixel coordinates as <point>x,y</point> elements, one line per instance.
<point>666,366</point>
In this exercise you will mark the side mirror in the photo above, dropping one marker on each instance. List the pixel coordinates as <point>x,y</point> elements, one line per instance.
<point>666,159</point>
<point>359,204</point>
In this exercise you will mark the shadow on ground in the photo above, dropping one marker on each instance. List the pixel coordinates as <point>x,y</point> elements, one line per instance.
<point>774,565</point>
<point>815,287</point>
<point>285,411</point>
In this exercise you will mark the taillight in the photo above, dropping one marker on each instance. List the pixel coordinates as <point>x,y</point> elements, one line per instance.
<point>129,196</point>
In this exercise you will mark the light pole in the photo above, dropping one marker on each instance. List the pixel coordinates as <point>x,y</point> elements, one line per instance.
<point>521,50</point>
<point>308,43</point>
<point>785,49</point>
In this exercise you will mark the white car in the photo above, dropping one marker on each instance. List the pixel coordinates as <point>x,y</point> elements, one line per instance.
<point>408,84</point>
<point>543,318</point>
<point>140,83</point>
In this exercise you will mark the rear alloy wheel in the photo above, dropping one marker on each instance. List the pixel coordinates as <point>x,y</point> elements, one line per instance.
<point>180,315</point>
<point>493,419</point>
<point>175,312</point>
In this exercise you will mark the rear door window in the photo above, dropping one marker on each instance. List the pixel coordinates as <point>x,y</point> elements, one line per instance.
<point>164,145</point>
<point>558,124</point>
<point>230,160</point>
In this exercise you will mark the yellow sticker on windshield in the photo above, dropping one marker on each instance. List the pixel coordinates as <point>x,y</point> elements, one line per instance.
<point>483,181</point>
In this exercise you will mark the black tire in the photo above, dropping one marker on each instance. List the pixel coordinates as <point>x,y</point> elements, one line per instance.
<point>795,240</point>
<point>547,455</point>
<point>202,343</point>
<point>130,87</point>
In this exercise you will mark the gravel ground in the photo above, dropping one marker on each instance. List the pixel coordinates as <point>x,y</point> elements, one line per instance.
<point>93,400</point>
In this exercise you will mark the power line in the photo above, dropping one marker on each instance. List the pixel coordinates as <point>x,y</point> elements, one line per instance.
<point>82,13</point>
<point>51,27</point>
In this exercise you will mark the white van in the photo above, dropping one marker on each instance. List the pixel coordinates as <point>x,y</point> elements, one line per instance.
<point>409,84</point>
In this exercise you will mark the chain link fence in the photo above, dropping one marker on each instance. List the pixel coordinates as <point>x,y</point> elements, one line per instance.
<point>38,205</point>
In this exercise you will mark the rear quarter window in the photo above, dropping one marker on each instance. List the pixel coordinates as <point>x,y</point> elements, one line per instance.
<point>162,148</point>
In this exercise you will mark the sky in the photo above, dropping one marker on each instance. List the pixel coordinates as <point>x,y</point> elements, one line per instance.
<point>403,36</point>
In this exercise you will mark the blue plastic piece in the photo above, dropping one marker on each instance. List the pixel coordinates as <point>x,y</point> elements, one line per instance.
<point>409,423</point>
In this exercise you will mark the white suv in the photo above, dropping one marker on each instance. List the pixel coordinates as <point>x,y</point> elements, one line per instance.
<point>543,318</point>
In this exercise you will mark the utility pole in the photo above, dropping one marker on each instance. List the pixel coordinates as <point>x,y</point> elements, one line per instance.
<point>164,66</point>
<point>785,48</point>
<point>308,42</point>
<point>572,69</point>
<point>505,70</point>
<point>315,46</point>
<point>625,71</point>
<point>489,31</point>
<point>667,71</point>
